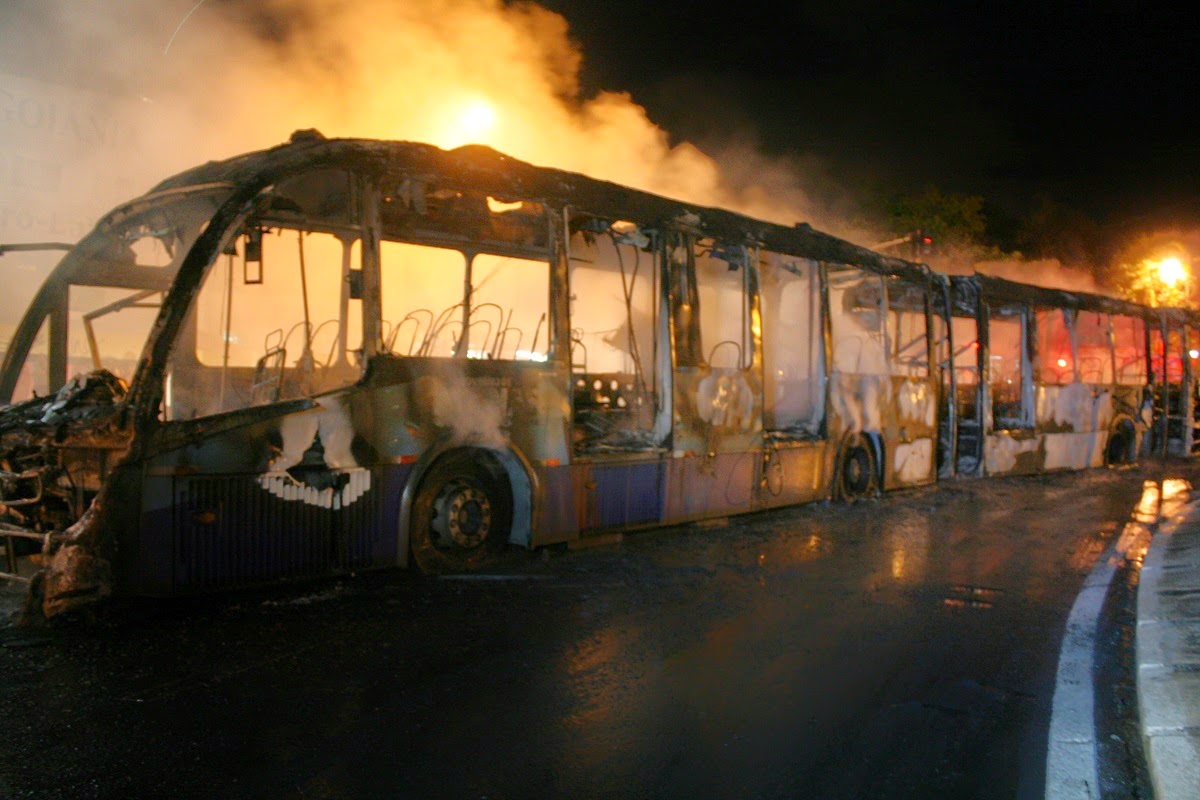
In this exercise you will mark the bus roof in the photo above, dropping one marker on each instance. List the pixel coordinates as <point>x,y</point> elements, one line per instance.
<point>482,168</point>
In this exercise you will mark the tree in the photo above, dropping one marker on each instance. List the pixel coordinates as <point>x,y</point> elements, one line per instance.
<point>1053,230</point>
<point>951,220</point>
<point>1155,269</point>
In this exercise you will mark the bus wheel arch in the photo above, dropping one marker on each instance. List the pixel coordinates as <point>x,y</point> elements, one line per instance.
<point>856,474</point>
<point>464,508</point>
<point>1121,447</point>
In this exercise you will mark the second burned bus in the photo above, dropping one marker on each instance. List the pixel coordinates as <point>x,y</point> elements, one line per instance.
<point>356,353</point>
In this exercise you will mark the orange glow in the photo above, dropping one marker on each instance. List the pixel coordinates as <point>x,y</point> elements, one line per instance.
<point>1171,271</point>
<point>477,118</point>
<point>465,120</point>
<point>1062,362</point>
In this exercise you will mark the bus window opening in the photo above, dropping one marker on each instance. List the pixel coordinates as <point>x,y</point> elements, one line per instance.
<point>614,286</point>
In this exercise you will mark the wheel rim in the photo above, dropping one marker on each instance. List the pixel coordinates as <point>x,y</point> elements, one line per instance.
<point>462,516</point>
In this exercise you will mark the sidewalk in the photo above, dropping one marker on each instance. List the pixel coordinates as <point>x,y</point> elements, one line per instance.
<point>1168,656</point>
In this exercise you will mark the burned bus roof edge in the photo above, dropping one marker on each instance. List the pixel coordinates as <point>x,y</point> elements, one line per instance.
<point>484,167</point>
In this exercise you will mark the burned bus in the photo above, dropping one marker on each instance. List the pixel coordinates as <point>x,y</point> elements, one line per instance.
<point>1040,379</point>
<point>361,354</point>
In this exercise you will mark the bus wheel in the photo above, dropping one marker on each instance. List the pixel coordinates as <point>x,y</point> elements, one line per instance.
<point>1120,446</point>
<point>856,476</point>
<point>462,514</point>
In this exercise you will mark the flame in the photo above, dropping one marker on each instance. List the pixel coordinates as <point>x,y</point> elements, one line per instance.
<point>475,123</point>
<point>1171,271</point>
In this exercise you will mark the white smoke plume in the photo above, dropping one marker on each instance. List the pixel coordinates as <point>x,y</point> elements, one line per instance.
<point>178,82</point>
<point>101,99</point>
<point>140,89</point>
<point>1048,272</point>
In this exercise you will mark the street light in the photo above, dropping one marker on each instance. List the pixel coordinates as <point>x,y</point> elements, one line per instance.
<point>1167,280</point>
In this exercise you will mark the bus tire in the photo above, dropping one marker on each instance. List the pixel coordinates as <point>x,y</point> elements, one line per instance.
<point>1120,448</point>
<point>856,474</point>
<point>462,514</point>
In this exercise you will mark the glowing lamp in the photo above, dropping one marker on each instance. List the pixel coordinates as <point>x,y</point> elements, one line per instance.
<point>1062,362</point>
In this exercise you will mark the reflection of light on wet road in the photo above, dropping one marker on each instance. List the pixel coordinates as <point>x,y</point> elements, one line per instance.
<point>1087,549</point>
<point>1147,507</point>
<point>1172,492</point>
<point>908,542</point>
<point>588,664</point>
<point>1175,489</point>
<point>815,546</point>
<point>971,597</point>
<point>788,552</point>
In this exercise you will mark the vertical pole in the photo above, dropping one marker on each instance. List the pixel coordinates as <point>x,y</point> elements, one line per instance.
<point>226,330</point>
<point>372,304</point>
<point>1166,388</point>
<point>58,338</point>
<point>948,364</point>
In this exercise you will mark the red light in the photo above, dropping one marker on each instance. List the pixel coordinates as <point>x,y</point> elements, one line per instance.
<point>927,240</point>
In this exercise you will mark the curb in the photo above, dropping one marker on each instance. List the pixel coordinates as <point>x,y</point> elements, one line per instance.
<point>1168,656</point>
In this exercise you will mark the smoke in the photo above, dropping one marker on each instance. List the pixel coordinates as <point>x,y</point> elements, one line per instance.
<point>1048,272</point>
<point>177,83</point>
<point>102,99</point>
<point>140,89</point>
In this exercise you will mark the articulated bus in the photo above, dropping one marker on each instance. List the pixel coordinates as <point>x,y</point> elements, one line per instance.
<point>338,355</point>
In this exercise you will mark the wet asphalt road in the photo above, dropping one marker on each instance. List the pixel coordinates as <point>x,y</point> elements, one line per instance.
<point>897,648</point>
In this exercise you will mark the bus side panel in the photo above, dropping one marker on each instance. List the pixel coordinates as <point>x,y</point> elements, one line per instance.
<point>1074,450</point>
<point>219,532</point>
<point>713,486</point>
<point>910,432</point>
<point>559,504</point>
<point>242,530</point>
<point>625,494</point>
<point>792,473</point>
<point>1020,451</point>
<point>263,494</point>
<point>147,554</point>
<point>1076,418</point>
<point>1072,425</point>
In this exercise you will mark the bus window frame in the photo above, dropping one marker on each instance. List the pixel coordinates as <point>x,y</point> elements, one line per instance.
<point>989,312</point>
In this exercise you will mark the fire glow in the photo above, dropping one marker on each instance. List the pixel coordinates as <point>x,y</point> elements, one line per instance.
<point>505,75</point>
<point>476,122</point>
<point>1171,271</point>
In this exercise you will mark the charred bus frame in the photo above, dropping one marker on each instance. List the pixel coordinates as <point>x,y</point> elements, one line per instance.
<point>359,351</point>
<point>1049,379</point>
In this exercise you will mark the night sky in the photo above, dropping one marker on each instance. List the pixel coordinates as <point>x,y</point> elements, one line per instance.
<point>1096,109</point>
